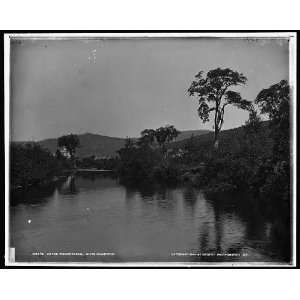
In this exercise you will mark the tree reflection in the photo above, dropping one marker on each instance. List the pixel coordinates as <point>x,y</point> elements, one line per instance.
<point>239,218</point>
<point>32,195</point>
<point>190,197</point>
<point>69,187</point>
<point>35,194</point>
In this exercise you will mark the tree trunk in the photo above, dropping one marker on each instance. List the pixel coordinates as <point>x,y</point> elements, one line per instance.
<point>216,144</point>
<point>217,117</point>
<point>216,140</point>
<point>73,160</point>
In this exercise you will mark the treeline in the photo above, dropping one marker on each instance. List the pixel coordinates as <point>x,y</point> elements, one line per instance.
<point>33,165</point>
<point>254,157</point>
<point>248,162</point>
<point>92,162</point>
<point>259,159</point>
<point>149,157</point>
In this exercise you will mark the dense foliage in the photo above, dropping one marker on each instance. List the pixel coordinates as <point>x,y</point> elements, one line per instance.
<point>31,165</point>
<point>258,158</point>
<point>148,158</point>
<point>275,102</point>
<point>69,142</point>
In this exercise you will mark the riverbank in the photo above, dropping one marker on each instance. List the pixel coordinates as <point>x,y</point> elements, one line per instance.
<point>61,176</point>
<point>43,182</point>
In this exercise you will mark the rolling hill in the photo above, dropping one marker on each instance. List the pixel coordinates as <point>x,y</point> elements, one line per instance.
<point>188,133</point>
<point>229,140</point>
<point>100,145</point>
<point>90,144</point>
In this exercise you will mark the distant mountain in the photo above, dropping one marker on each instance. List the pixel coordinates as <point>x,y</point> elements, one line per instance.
<point>100,145</point>
<point>90,144</point>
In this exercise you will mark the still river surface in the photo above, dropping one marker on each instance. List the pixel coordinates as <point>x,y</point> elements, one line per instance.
<point>95,218</point>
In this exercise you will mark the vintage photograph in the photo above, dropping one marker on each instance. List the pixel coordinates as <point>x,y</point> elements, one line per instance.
<point>151,149</point>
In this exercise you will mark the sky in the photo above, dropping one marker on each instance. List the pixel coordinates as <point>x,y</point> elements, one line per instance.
<point>118,87</point>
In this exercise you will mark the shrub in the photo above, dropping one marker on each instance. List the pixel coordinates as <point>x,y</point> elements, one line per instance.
<point>31,164</point>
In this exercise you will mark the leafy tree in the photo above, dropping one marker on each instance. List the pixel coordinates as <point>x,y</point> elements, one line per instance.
<point>272,99</point>
<point>161,136</point>
<point>275,102</point>
<point>136,163</point>
<point>147,137</point>
<point>253,137</point>
<point>166,134</point>
<point>58,154</point>
<point>173,133</point>
<point>253,124</point>
<point>214,95</point>
<point>70,142</point>
<point>139,161</point>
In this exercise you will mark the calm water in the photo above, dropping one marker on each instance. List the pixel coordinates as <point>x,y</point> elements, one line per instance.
<point>97,219</point>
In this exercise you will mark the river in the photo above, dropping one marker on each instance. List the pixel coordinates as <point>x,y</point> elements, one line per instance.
<point>97,219</point>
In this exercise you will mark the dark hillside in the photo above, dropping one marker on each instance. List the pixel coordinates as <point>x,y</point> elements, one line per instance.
<point>230,141</point>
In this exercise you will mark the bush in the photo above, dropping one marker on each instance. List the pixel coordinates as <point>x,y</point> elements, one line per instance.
<point>31,164</point>
<point>229,170</point>
<point>166,172</point>
<point>137,163</point>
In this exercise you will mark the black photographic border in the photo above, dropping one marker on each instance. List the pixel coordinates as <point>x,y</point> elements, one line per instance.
<point>2,151</point>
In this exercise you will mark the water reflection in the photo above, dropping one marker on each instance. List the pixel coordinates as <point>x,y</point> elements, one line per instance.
<point>69,187</point>
<point>143,223</point>
<point>34,195</point>
<point>190,195</point>
<point>241,226</point>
